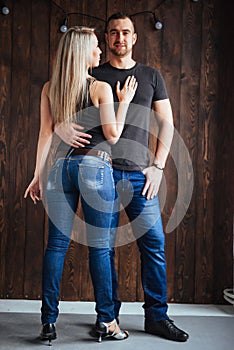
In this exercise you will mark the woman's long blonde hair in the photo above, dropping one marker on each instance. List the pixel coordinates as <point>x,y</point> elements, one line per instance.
<point>68,86</point>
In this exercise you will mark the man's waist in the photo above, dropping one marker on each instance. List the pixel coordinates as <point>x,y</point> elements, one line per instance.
<point>128,165</point>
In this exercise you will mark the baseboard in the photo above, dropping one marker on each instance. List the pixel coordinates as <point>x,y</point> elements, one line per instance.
<point>70,307</point>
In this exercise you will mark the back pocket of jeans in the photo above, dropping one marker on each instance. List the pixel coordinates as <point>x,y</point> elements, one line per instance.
<point>91,175</point>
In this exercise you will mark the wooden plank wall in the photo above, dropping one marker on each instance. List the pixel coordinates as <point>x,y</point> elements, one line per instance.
<point>192,52</point>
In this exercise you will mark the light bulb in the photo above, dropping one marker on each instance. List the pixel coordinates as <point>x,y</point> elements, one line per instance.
<point>63,28</point>
<point>158,25</point>
<point>5,10</point>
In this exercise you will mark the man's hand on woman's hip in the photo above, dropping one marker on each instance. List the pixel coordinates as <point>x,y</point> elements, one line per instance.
<point>71,134</point>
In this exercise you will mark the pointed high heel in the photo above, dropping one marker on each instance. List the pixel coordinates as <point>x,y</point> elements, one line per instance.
<point>48,332</point>
<point>103,331</point>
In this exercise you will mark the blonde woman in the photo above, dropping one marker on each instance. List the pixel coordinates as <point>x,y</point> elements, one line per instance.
<point>84,172</point>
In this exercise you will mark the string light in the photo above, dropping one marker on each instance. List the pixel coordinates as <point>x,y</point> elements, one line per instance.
<point>5,10</point>
<point>158,24</point>
<point>63,27</point>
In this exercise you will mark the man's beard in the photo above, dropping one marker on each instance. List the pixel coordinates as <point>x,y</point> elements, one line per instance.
<point>120,53</point>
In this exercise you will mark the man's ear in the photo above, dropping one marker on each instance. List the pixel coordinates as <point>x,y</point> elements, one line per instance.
<point>106,38</point>
<point>134,37</point>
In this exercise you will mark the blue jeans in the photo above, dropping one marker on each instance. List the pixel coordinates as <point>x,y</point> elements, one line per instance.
<point>145,218</point>
<point>92,179</point>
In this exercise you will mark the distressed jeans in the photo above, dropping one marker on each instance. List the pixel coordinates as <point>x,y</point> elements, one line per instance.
<point>92,179</point>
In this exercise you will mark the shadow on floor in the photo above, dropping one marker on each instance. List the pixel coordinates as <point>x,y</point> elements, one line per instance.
<point>21,330</point>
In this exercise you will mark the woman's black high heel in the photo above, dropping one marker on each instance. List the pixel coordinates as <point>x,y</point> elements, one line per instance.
<point>103,331</point>
<point>48,332</point>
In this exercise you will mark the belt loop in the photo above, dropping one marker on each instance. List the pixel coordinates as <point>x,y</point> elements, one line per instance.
<point>91,152</point>
<point>70,152</point>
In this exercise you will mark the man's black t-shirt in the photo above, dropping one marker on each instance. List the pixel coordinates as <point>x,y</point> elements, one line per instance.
<point>131,151</point>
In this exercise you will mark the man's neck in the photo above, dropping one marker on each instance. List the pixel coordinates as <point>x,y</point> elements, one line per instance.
<point>122,62</point>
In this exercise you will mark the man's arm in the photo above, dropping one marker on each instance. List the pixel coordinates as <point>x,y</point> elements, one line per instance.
<point>71,134</point>
<point>166,129</point>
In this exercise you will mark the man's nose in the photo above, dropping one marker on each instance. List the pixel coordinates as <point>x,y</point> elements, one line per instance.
<point>120,36</point>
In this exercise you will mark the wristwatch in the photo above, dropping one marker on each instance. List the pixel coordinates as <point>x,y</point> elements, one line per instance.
<point>158,166</point>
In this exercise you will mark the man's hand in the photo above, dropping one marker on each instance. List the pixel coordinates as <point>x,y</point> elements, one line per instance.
<point>71,135</point>
<point>153,180</point>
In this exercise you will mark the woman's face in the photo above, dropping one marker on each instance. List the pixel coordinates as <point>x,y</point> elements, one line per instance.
<point>96,52</point>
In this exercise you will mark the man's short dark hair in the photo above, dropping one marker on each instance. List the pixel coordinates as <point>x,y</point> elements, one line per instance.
<point>118,15</point>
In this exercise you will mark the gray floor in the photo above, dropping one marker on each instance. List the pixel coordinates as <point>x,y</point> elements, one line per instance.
<point>20,330</point>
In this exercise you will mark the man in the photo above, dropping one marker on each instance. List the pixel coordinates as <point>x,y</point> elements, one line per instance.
<point>131,166</point>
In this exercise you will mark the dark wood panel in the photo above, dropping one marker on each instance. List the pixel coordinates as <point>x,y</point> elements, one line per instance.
<point>39,63</point>
<point>224,179</point>
<point>56,20</point>
<point>204,272</point>
<point>170,68</point>
<point>5,98</point>
<point>19,116</point>
<point>189,104</point>
<point>97,9</point>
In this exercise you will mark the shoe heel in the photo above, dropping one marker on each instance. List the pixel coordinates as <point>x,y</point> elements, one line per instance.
<point>99,335</point>
<point>99,338</point>
<point>50,340</point>
<point>48,333</point>
<point>103,331</point>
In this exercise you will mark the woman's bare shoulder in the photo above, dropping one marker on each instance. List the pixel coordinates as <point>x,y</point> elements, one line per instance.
<point>101,89</point>
<point>45,88</point>
<point>102,85</point>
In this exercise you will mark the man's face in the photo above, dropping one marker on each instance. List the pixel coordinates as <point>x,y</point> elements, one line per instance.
<point>120,37</point>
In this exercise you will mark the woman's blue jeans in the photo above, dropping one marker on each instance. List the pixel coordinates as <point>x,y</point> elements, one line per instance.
<point>92,179</point>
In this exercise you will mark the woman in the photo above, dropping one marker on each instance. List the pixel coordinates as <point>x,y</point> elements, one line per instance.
<point>84,172</point>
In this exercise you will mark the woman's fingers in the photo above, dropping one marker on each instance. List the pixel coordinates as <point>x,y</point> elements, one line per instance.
<point>127,81</point>
<point>26,193</point>
<point>132,84</point>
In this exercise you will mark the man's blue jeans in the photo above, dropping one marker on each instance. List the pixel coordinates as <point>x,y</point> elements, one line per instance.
<point>92,179</point>
<point>145,218</point>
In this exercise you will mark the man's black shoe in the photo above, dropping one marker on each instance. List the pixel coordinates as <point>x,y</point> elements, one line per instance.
<point>48,332</point>
<point>166,329</point>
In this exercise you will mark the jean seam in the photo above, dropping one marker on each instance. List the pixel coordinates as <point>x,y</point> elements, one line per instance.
<point>68,174</point>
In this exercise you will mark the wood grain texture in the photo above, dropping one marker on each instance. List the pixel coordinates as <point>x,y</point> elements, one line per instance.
<point>224,170</point>
<point>5,107</point>
<point>39,63</point>
<point>18,117</point>
<point>188,127</point>
<point>171,66</point>
<point>207,128</point>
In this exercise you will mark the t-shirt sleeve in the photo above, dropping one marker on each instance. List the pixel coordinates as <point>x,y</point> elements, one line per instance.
<point>160,90</point>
